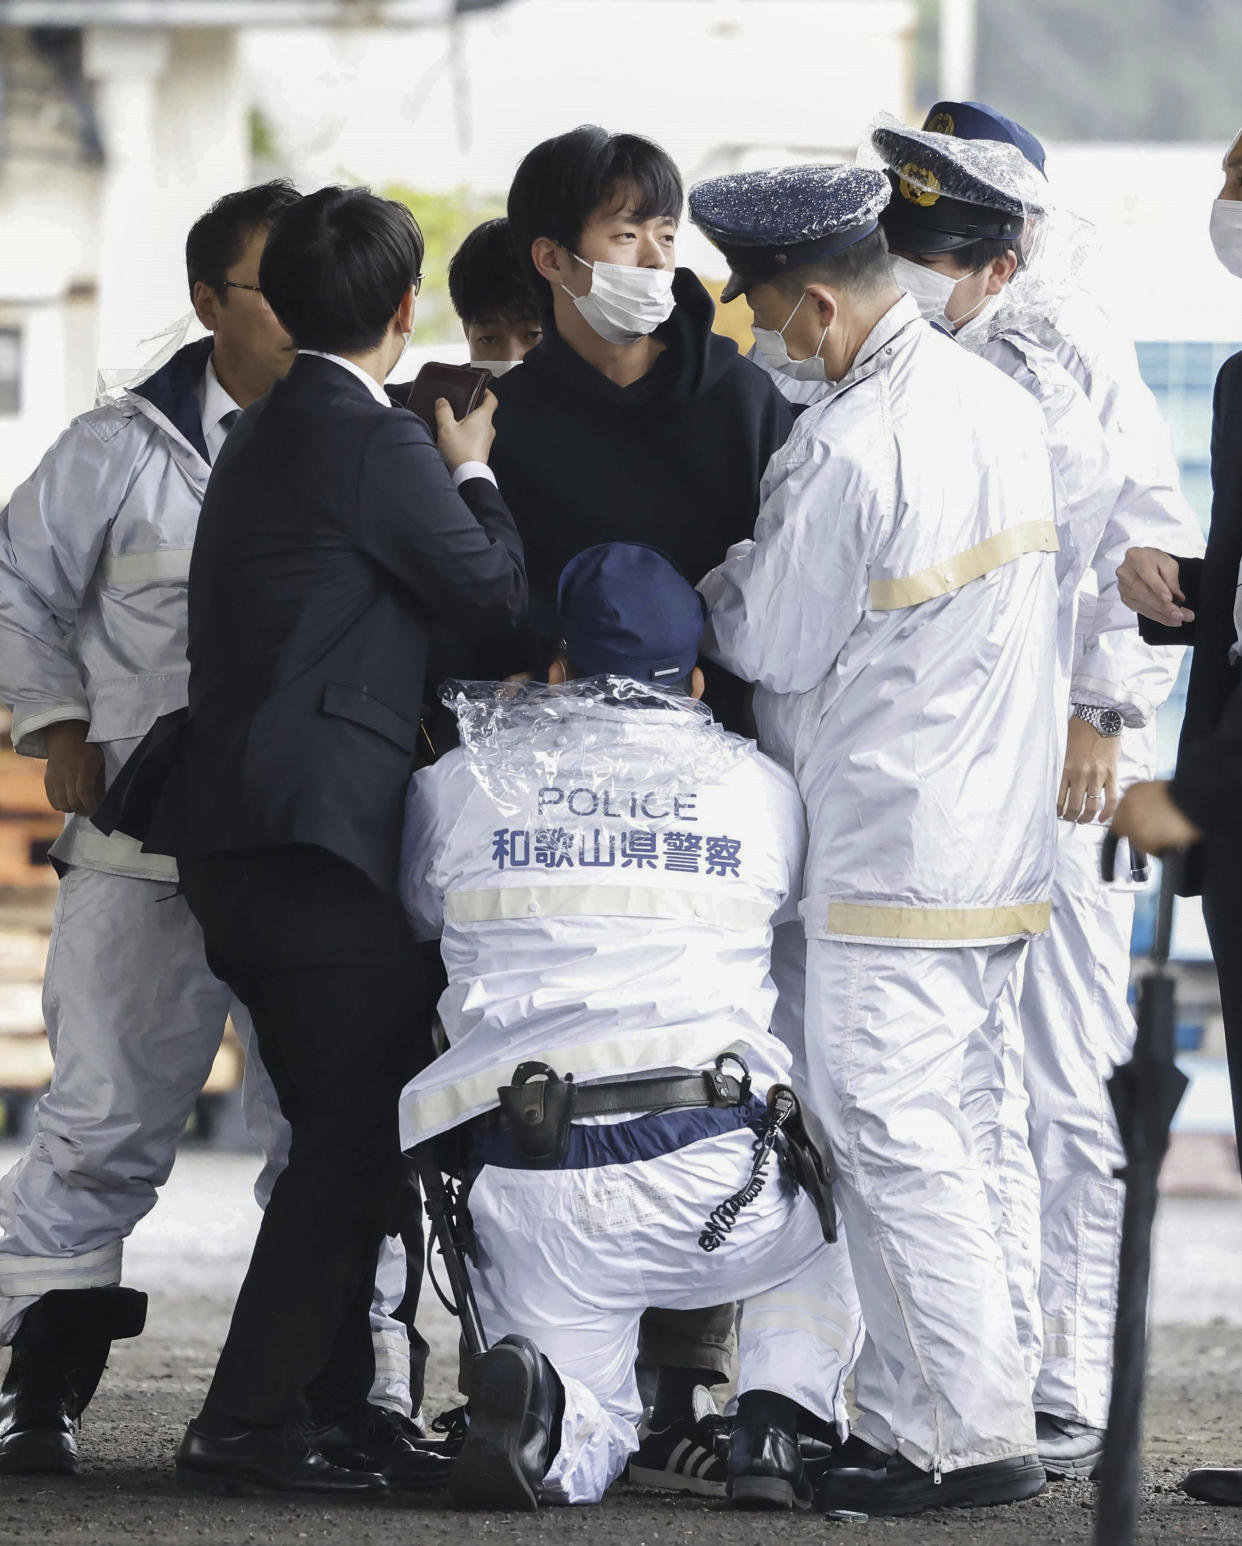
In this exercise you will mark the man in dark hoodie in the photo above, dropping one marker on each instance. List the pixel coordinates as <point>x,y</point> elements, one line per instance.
<point>631,421</point>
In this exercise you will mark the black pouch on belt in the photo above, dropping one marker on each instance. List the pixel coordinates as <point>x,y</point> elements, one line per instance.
<point>537,1107</point>
<point>806,1155</point>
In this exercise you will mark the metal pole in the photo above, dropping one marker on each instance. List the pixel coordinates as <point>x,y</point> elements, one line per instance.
<point>957,49</point>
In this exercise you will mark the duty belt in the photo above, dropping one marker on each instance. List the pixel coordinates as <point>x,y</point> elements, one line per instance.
<point>538,1106</point>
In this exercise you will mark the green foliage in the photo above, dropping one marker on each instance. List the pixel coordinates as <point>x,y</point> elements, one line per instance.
<point>446,220</point>
<point>262,136</point>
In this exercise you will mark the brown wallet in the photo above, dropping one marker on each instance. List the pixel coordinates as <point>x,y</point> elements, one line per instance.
<point>463,385</point>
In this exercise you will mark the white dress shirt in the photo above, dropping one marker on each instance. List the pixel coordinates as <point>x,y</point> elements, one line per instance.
<point>214,404</point>
<point>461,474</point>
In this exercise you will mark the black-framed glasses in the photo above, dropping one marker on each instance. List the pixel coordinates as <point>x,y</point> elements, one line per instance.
<point>232,284</point>
<point>418,283</point>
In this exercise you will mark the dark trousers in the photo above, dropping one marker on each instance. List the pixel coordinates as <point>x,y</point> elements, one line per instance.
<point>1222,912</point>
<point>329,970</point>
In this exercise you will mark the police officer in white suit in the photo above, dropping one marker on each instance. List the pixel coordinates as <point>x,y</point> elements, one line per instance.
<point>1008,289</point>
<point>605,866</point>
<point>898,609</point>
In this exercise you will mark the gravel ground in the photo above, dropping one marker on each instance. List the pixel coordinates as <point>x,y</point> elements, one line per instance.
<point>191,1252</point>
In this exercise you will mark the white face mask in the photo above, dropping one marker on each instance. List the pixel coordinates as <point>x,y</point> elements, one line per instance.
<point>624,303</point>
<point>772,351</point>
<point>974,328</point>
<point>497,367</point>
<point>930,288</point>
<point>1225,230</point>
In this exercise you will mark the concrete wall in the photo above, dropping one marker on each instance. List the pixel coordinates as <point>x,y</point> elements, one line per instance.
<point>92,258</point>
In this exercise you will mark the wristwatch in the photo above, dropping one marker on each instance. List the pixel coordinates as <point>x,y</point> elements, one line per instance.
<point>1103,721</point>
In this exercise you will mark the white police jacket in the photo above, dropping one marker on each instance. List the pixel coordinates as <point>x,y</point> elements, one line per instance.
<point>606,904</point>
<point>1098,463</point>
<point>898,607</point>
<point>94,560</point>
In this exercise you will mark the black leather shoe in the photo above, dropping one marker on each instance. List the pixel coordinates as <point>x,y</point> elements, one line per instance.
<point>1215,1484</point>
<point>515,1399</point>
<point>901,1488</point>
<point>376,1439</point>
<point>1068,1448</point>
<point>254,1462</point>
<point>855,1453</point>
<point>59,1354</point>
<point>765,1469</point>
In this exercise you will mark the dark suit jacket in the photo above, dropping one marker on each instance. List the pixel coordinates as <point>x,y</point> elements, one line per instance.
<point>331,539</point>
<point>1208,781</point>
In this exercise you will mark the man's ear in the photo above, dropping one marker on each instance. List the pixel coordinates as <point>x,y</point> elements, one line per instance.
<point>206,304</point>
<point>1001,271</point>
<point>827,307</point>
<point>405,312</point>
<point>557,673</point>
<point>545,254</point>
<point>697,683</point>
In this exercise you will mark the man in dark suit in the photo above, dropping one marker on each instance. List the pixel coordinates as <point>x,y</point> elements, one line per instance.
<point>1198,602</point>
<point>1190,601</point>
<point>332,537</point>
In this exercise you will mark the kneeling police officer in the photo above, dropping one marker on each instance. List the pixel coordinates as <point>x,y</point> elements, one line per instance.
<point>604,866</point>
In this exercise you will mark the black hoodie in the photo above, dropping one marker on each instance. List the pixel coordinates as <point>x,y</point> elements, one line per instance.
<point>674,460</point>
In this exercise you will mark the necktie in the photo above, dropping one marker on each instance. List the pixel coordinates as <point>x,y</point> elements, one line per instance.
<point>226,422</point>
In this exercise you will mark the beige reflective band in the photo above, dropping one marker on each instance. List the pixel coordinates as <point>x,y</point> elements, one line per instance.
<point>864,921</point>
<point>680,906</point>
<point>973,564</point>
<point>22,1275</point>
<point>140,568</point>
<point>427,1112</point>
<point>392,1356</point>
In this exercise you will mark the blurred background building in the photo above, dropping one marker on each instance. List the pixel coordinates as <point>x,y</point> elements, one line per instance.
<point>120,120</point>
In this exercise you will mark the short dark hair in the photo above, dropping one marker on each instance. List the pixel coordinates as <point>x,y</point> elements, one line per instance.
<point>218,238</point>
<point>986,250</point>
<point>563,181</point>
<point>485,278</point>
<point>336,267</point>
<point>864,268</point>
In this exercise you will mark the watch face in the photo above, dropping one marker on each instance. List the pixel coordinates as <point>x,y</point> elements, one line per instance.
<point>1110,722</point>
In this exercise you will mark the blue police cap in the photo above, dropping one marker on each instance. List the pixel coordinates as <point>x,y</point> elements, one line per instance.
<point>625,610</point>
<point>978,121</point>
<point>765,222</point>
<point>949,192</point>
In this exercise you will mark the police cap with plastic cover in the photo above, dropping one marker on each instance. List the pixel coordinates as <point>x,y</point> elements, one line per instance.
<point>978,121</point>
<point>625,610</point>
<point>765,222</point>
<point>950,192</point>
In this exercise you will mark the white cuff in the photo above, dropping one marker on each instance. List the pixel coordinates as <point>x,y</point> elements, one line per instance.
<point>469,470</point>
<point>26,735</point>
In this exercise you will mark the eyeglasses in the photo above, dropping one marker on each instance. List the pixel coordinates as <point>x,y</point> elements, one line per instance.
<point>232,284</point>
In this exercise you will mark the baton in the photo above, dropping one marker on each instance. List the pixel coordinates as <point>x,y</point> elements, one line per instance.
<point>448,1234</point>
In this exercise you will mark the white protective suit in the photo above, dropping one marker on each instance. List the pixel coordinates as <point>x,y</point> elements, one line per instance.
<point>1067,1017</point>
<point>606,907</point>
<point>899,610</point>
<point>94,559</point>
